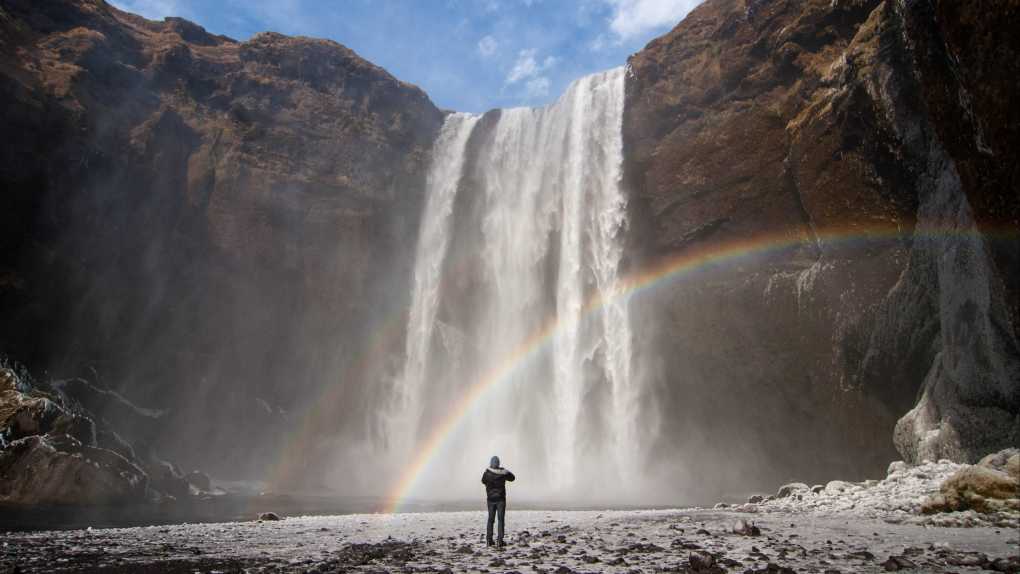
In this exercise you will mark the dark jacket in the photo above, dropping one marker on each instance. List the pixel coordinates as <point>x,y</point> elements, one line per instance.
<point>495,480</point>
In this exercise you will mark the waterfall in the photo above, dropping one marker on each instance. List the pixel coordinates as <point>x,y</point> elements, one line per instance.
<point>524,224</point>
<point>434,237</point>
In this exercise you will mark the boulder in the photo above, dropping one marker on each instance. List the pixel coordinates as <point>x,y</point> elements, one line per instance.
<point>837,486</point>
<point>745,528</point>
<point>897,466</point>
<point>39,470</point>
<point>1001,460</point>
<point>976,488</point>
<point>791,489</point>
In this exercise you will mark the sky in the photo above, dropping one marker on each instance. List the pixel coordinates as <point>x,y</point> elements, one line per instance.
<point>468,55</point>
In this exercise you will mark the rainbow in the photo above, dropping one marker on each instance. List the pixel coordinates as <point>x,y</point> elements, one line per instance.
<point>708,256</point>
<point>690,261</point>
<point>672,268</point>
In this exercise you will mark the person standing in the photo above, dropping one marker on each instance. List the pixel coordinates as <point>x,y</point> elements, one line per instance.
<point>495,478</point>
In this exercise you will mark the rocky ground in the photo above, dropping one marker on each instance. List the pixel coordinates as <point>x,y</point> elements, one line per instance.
<point>927,518</point>
<point>539,541</point>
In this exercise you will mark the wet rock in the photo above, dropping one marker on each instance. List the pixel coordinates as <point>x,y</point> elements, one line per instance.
<point>269,516</point>
<point>755,499</point>
<point>1009,564</point>
<point>771,568</point>
<point>745,528</point>
<point>392,551</point>
<point>818,488</point>
<point>60,470</point>
<point>702,562</point>
<point>861,555</point>
<point>894,563</point>
<point>791,489</point>
<point>966,559</point>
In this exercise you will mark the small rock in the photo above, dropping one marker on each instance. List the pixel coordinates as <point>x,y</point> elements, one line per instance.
<point>745,528</point>
<point>721,505</point>
<point>269,516</point>
<point>897,466</point>
<point>755,499</point>
<point>1011,565</point>
<point>818,488</point>
<point>895,563</point>
<point>701,561</point>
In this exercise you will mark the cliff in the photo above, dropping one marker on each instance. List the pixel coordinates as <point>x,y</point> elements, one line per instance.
<point>222,231</point>
<point>208,226</point>
<point>856,156</point>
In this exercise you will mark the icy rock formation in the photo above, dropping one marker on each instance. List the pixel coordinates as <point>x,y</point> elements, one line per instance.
<point>942,493</point>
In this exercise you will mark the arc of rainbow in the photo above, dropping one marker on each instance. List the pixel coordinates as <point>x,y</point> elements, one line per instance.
<point>690,261</point>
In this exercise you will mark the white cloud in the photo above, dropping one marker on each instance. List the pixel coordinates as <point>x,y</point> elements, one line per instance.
<point>527,66</point>
<point>598,44</point>
<point>537,87</point>
<point>634,17</point>
<point>487,46</point>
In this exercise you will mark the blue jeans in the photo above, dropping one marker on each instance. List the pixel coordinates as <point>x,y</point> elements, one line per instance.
<point>496,508</point>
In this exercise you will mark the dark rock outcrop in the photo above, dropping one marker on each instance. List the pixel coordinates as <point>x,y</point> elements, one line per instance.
<point>50,455</point>
<point>37,470</point>
<point>853,158</point>
<point>211,227</point>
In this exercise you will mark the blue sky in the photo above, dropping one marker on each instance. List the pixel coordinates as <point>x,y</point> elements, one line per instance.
<point>468,55</point>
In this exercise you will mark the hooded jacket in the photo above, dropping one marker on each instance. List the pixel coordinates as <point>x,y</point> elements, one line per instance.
<point>495,479</point>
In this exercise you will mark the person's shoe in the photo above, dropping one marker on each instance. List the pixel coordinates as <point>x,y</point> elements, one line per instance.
<point>500,544</point>
<point>488,543</point>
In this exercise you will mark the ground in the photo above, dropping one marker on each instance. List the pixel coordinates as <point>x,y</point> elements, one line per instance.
<point>870,526</point>
<point>539,541</point>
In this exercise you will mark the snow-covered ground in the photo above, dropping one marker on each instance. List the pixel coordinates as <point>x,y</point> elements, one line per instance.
<point>897,498</point>
<point>539,541</point>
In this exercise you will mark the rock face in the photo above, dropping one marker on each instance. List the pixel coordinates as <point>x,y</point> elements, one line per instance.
<point>34,471</point>
<point>53,452</point>
<point>851,161</point>
<point>207,226</point>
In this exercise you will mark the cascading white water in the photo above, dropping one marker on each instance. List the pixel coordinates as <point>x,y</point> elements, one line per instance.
<point>525,227</point>
<point>434,237</point>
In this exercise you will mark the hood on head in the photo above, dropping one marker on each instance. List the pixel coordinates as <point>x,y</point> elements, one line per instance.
<point>494,462</point>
